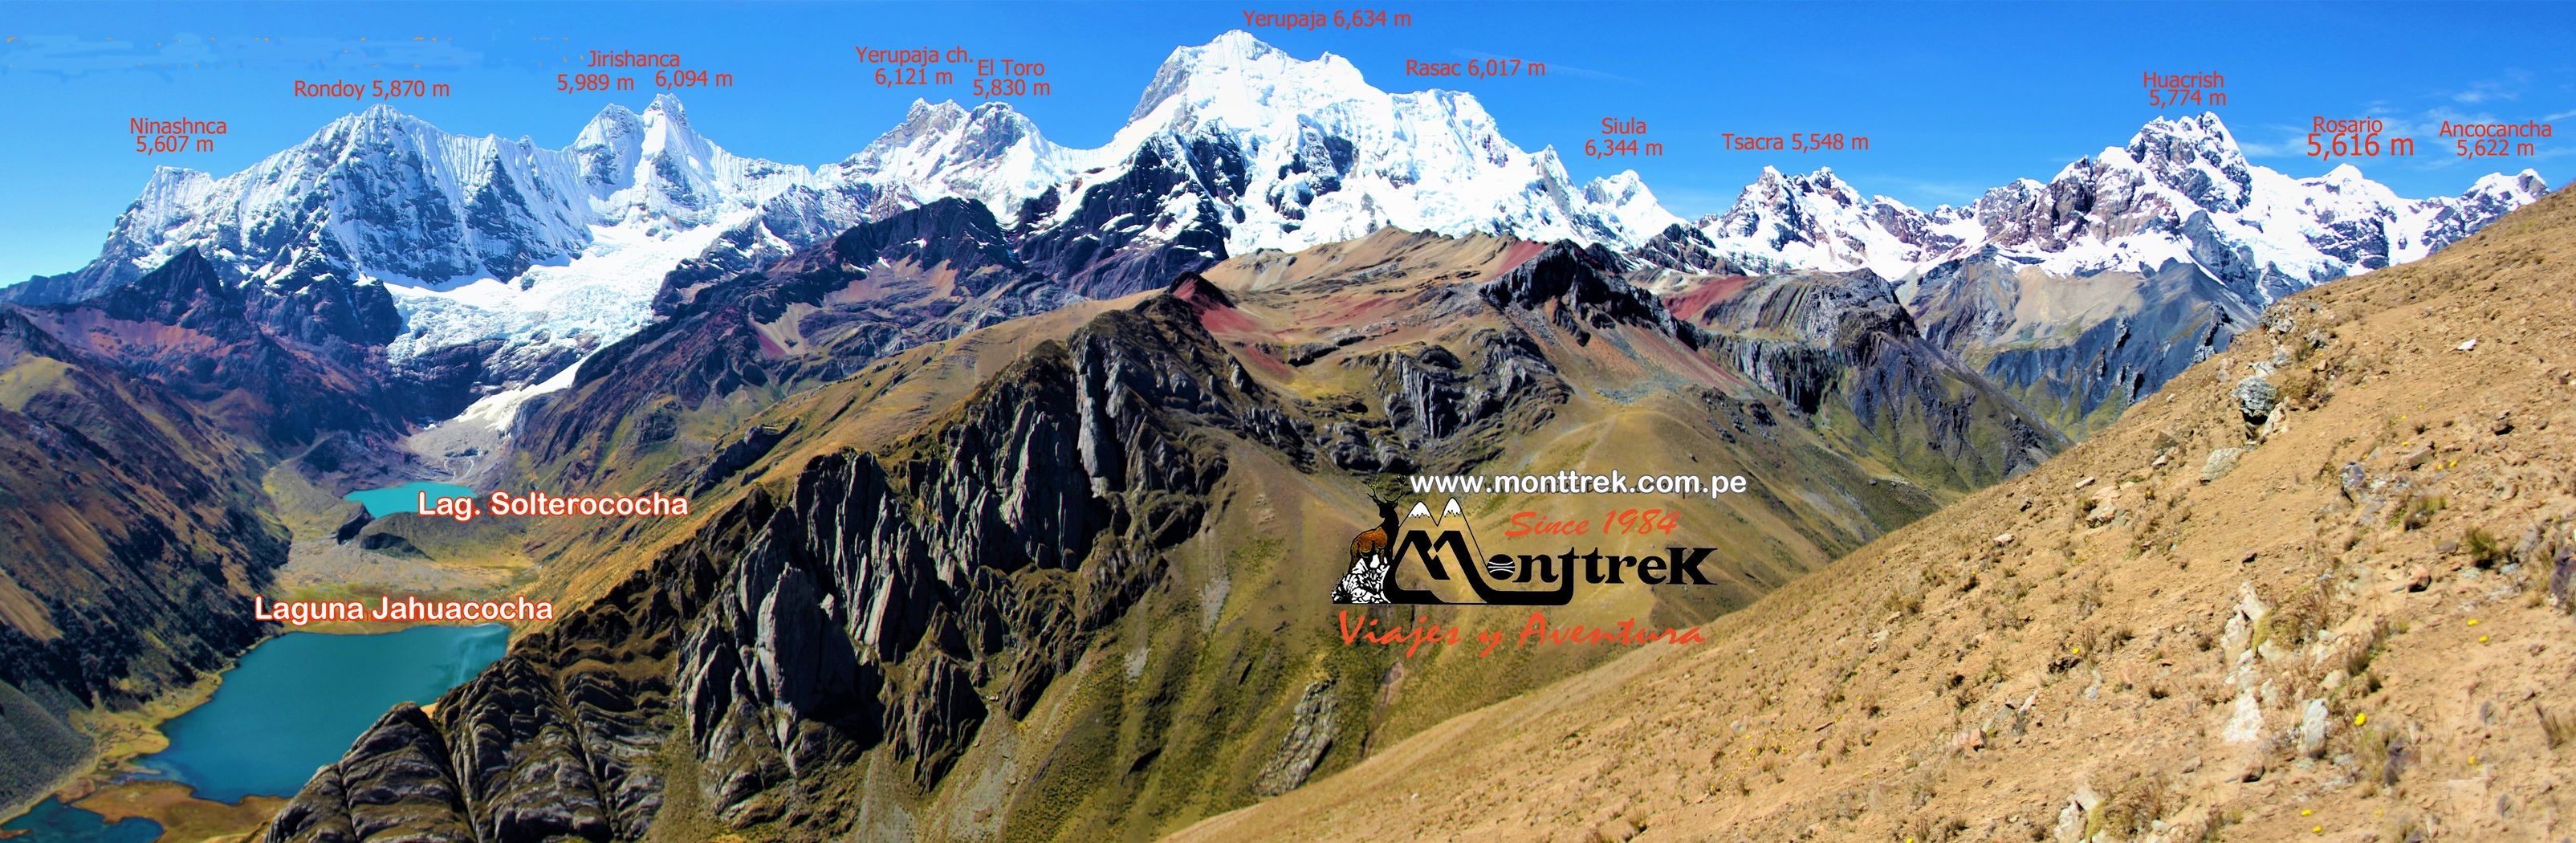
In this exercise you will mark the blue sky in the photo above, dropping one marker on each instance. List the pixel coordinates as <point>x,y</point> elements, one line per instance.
<point>1953,97</point>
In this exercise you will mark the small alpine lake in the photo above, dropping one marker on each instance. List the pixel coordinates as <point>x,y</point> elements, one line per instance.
<point>406,497</point>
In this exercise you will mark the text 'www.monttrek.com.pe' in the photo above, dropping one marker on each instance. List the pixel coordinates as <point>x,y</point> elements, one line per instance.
<point>1577,482</point>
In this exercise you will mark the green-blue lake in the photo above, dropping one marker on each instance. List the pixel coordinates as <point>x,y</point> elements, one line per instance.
<point>296,702</point>
<point>406,497</point>
<point>292,705</point>
<point>54,822</point>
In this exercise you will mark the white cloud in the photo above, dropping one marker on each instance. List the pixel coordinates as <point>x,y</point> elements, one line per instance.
<point>2508,88</point>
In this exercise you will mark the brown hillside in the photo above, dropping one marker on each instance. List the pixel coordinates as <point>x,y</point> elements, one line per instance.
<point>2356,628</point>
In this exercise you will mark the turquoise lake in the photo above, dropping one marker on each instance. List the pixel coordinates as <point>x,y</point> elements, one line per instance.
<point>55,822</point>
<point>296,702</point>
<point>406,497</point>
<point>292,705</point>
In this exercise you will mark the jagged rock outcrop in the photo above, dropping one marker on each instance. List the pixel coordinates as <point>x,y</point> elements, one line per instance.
<point>1310,735</point>
<point>1580,289</point>
<point>1429,402</point>
<point>1006,602</point>
<point>2355,633</point>
<point>2083,292</point>
<point>1108,242</point>
<point>875,609</point>
<point>754,444</point>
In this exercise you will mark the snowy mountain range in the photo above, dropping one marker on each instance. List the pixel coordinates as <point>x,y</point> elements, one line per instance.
<point>2083,293</point>
<point>2180,190</point>
<point>548,253</point>
<point>507,261</point>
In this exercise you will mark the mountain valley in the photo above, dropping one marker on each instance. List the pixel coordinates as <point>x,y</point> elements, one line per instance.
<point>1034,491</point>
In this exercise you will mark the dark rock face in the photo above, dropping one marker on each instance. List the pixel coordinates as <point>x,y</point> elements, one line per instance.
<point>1684,248</point>
<point>1101,249</point>
<point>2183,315</point>
<point>1431,402</point>
<point>874,611</point>
<point>2120,360</point>
<point>547,744</point>
<point>37,743</point>
<point>1841,341</point>
<point>440,383</point>
<point>1582,292</point>
<point>810,318</point>
<point>318,307</point>
<point>2360,242</point>
<point>403,753</point>
<point>1431,407</point>
<point>856,632</point>
<point>132,532</point>
<point>754,444</point>
<point>2181,154</point>
<point>2471,211</point>
<point>1971,429</point>
<point>280,389</point>
<point>185,292</point>
<point>309,302</point>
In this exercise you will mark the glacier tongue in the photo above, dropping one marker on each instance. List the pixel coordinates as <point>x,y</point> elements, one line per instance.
<point>552,314</point>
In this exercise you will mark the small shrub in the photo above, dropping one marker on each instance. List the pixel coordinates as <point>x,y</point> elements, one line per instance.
<point>2485,550</point>
<point>2130,810</point>
<point>2382,753</point>
<point>2357,660</point>
<point>2420,509</point>
<point>2555,727</point>
<point>2562,584</point>
<point>2301,389</point>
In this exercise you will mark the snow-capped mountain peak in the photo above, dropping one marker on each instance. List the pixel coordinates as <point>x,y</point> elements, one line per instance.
<point>2525,187</point>
<point>1283,153</point>
<point>1238,76</point>
<point>1818,221</point>
<point>1626,193</point>
<point>2195,156</point>
<point>992,154</point>
<point>1236,145</point>
<point>2179,190</point>
<point>608,147</point>
<point>666,129</point>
